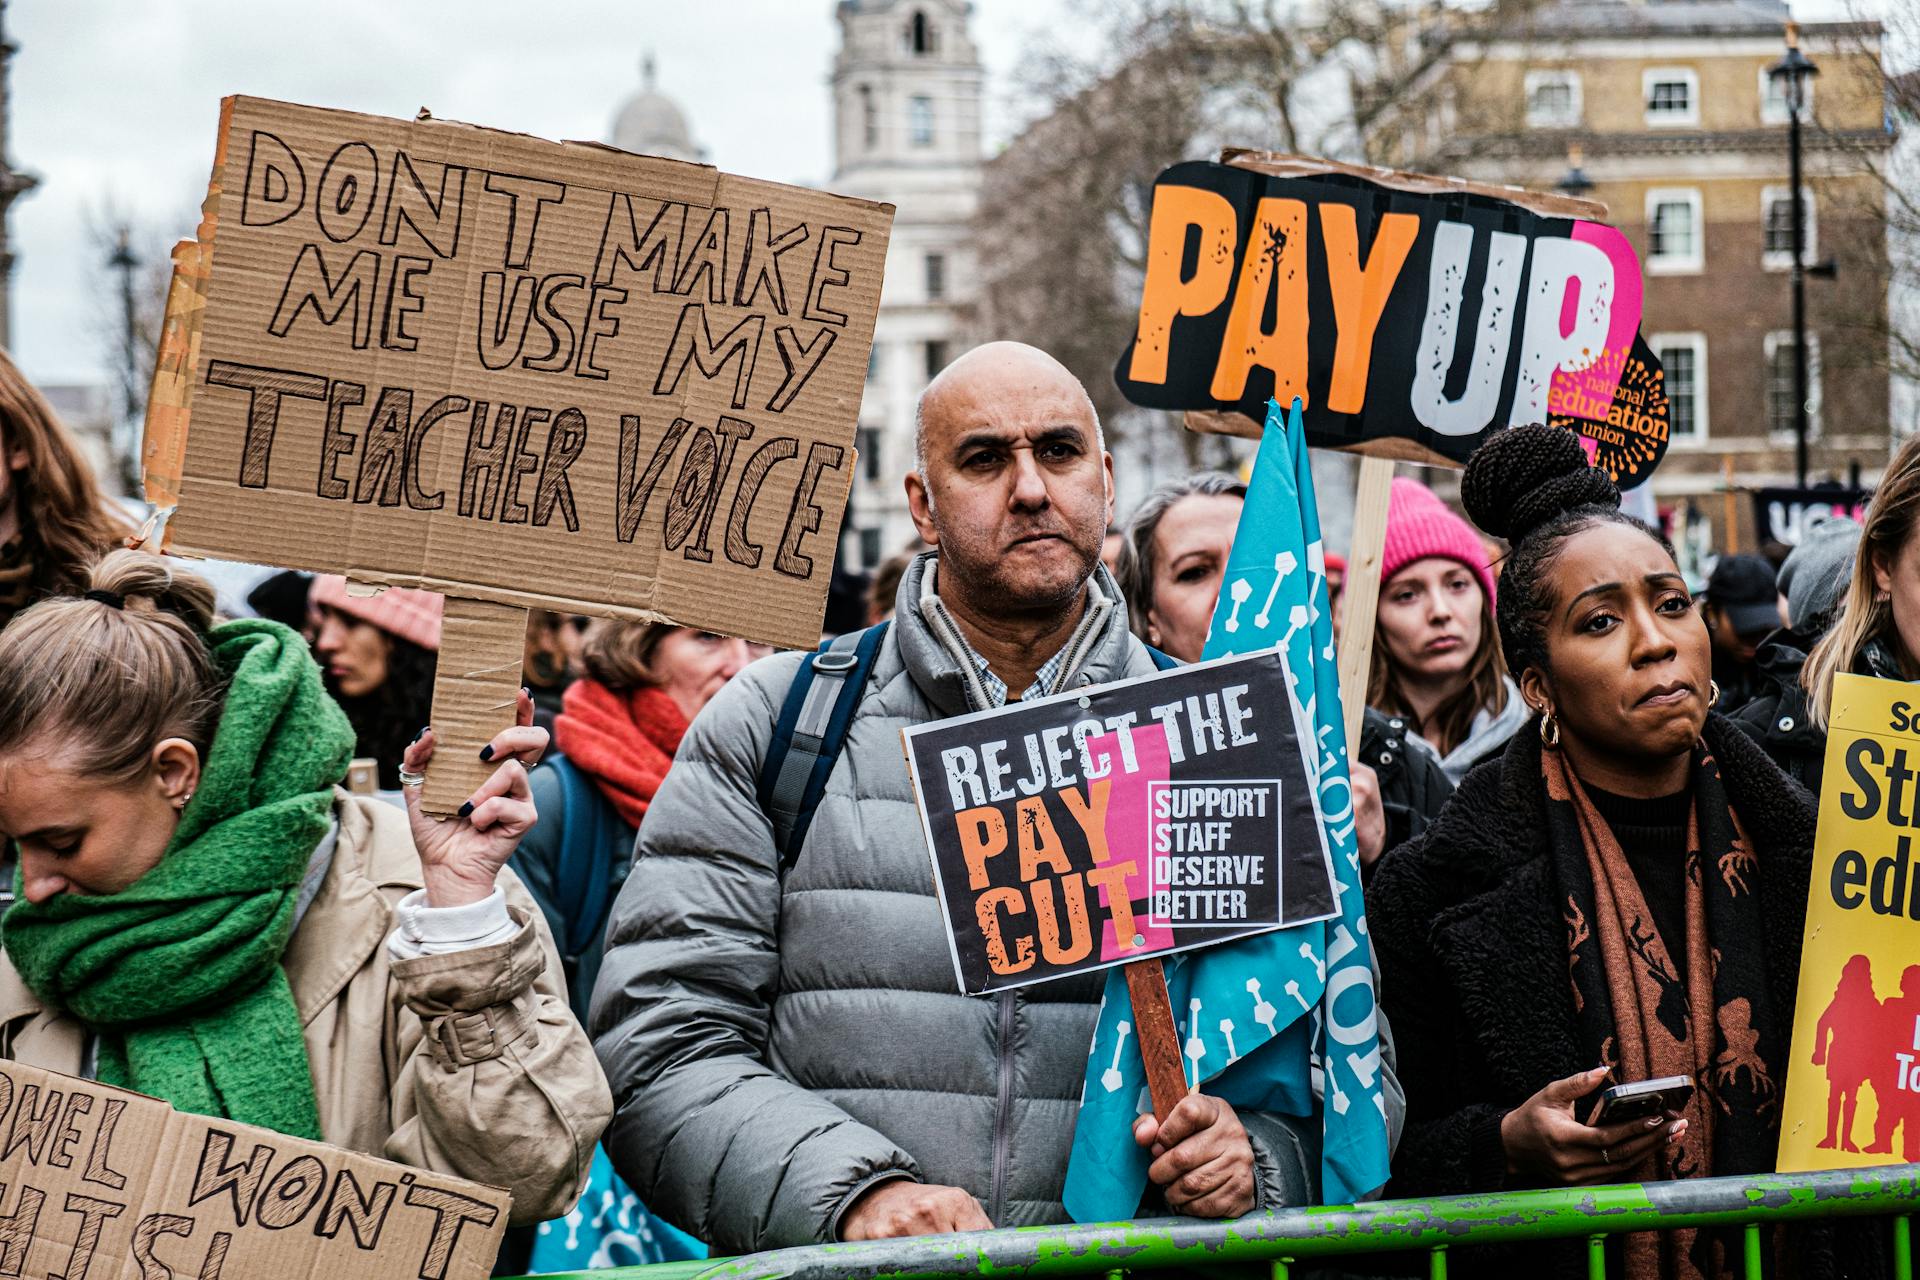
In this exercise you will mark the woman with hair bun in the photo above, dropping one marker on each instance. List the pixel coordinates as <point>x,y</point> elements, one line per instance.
<point>1617,897</point>
<point>201,914</point>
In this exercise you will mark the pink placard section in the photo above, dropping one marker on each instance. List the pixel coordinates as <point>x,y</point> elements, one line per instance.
<point>1588,392</point>
<point>1127,831</point>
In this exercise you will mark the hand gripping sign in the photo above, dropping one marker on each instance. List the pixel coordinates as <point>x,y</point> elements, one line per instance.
<point>1410,315</point>
<point>520,373</point>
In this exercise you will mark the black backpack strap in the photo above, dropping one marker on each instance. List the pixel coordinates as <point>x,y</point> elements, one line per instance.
<point>809,733</point>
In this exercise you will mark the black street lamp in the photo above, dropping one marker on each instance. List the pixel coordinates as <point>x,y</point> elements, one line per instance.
<point>1575,181</point>
<point>1792,73</point>
<point>125,263</point>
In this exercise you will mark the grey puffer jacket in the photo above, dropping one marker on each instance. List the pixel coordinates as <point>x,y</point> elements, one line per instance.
<point>775,1049</point>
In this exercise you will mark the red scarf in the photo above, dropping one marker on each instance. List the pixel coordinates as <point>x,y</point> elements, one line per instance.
<point>623,741</point>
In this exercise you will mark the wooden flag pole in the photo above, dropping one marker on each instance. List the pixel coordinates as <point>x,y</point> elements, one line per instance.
<point>1362,591</point>
<point>1159,1040</point>
<point>476,688</point>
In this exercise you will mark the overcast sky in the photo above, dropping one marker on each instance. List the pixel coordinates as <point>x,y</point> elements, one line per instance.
<point>117,101</point>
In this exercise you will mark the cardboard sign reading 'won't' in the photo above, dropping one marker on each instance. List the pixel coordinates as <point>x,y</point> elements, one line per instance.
<point>98,1182</point>
<point>536,373</point>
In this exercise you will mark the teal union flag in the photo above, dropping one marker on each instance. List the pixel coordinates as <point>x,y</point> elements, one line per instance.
<point>1283,1021</point>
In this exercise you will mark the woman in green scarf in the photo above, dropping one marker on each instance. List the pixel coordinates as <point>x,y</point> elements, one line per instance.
<point>201,914</point>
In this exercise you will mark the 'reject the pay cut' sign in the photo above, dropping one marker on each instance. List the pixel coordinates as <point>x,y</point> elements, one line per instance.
<point>1853,1084</point>
<point>1119,823</point>
<point>534,373</point>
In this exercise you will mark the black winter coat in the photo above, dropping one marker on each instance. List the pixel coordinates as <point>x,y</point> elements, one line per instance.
<point>1467,927</point>
<point>1777,718</point>
<point>1413,786</point>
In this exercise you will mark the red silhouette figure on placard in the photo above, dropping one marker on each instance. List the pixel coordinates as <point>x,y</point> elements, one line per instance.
<point>1844,1043</point>
<point>1900,1097</point>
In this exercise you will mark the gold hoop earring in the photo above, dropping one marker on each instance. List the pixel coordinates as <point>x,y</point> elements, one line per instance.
<point>1713,693</point>
<point>1549,730</point>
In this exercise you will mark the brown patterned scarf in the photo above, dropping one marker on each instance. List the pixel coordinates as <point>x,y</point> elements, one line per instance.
<point>1647,1017</point>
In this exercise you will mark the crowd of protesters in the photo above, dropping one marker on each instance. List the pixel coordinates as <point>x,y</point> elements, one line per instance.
<point>1585,805</point>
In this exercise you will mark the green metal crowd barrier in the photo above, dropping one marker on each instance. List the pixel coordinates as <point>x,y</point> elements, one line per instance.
<point>1283,1238</point>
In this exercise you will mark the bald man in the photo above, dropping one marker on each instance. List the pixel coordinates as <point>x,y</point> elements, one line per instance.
<point>790,1061</point>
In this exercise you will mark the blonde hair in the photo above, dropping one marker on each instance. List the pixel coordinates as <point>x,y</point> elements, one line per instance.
<point>618,652</point>
<point>105,680</point>
<point>1864,615</point>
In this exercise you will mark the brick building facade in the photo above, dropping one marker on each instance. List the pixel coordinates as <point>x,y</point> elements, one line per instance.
<point>1668,111</point>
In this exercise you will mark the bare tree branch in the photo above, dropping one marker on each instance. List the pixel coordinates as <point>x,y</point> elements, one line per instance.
<point>129,351</point>
<point>1062,227</point>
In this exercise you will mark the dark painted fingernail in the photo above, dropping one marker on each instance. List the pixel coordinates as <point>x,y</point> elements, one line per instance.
<point>466,810</point>
<point>486,752</point>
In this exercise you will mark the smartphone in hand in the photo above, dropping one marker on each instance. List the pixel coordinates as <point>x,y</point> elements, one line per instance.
<point>1643,1100</point>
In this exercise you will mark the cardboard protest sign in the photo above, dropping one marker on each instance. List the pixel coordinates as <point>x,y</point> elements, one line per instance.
<point>1412,315</point>
<point>546,374</point>
<point>1781,515</point>
<point>1129,821</point>
<point>163,452</point>
<point>100,1182</point>
<point>519,372</point>
<point>1854,1078</point>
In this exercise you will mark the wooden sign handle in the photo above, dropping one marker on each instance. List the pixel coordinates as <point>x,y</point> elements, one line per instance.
<point>1159,1040</point>
<point>1362,591</point>
<point>476,687</point>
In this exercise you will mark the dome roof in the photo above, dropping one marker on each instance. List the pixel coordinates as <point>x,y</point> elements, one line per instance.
<point>653,124</point>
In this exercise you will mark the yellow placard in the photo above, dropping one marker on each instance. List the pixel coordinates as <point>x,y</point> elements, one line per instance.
<point>1853,1089</point>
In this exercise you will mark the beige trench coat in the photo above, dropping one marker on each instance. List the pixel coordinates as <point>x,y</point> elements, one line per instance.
<point>470,1064</point>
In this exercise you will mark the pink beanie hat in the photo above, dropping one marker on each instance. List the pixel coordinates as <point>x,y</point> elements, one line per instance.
<point>1419,525</point>
<point>400,611</point>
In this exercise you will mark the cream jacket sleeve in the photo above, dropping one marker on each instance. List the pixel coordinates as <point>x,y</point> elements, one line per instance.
<point>496,1080</point>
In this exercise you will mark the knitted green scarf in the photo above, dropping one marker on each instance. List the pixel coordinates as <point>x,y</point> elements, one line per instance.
<point>180,972</point>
